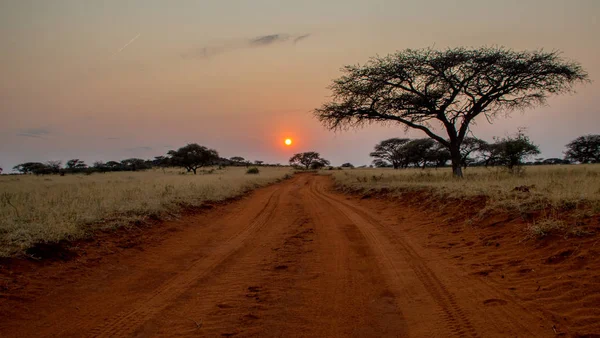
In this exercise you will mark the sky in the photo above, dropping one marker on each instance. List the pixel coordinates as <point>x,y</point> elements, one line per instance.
<point>110,80</point>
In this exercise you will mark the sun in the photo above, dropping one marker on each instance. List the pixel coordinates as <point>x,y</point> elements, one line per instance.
<point>288,142</point>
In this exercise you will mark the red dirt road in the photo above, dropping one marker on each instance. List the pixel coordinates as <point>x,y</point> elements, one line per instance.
<point>292,259</point>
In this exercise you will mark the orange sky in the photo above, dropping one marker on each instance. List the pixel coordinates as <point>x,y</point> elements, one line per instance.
<point>118,79</point>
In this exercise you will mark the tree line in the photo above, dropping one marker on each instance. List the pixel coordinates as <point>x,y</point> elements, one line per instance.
<point>510,151</point>
<point>190,157</point>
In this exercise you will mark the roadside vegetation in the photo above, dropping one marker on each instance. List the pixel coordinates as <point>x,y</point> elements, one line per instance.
<point>49,208</point>
<point>560,195</point>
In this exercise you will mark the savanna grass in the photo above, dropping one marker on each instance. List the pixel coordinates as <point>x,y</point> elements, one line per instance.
<point>40,209</point>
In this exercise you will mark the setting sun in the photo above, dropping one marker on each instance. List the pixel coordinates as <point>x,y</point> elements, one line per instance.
<point>288,141</point>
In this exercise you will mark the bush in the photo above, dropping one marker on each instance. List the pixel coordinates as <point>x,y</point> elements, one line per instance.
<point>253,170</point>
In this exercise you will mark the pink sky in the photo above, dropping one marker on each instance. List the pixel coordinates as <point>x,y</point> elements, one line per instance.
<point>109,80</point>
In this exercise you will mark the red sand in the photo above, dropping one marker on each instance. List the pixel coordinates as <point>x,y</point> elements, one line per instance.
<point>297,259</point>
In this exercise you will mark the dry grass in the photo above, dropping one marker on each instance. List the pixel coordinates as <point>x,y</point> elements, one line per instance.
<point>51,208</point>
<point>551,190</point>
<point>558,186</point>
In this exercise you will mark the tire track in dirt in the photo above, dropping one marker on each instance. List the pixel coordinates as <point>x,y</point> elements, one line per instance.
<point>354,299</point>
<point>456,321</point>
<point>509,319</point>
<point>125,323</point>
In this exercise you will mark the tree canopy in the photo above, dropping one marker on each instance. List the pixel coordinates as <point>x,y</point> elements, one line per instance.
<point>390,150</point>
<point>510,151</point>
<point>193,156</point>
<point>309,159</point>
<point>446,90</point>
<point>584,149</point>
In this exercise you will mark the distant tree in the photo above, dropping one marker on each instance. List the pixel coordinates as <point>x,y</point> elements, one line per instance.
<point>449,89</point>
<point>470,146</point>
<point>160,161</point>
<point>114,166</point>
<point>584,149</point>
<point>308,160</point>
<point>100,166</point>
<point>347,165</point>
<point>379,163</point>
<point>390,150</point>
<point>54,166</point>
<point>238,160</point>
<point>511,151</point>
<point>259,162</point>
<point>36,168</point>
<point>134,164</point>
<point>193,156</point>
<point>418,152</point>
<point>0,170</point>
<point>438,155</point>
<point>76,164</point>
<point>555,161</point>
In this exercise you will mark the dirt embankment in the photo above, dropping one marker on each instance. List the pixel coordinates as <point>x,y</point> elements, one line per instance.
<point>298,259</point>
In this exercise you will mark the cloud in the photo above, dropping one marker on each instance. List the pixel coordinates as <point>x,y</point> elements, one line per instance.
<point>266,40</point>
<point>34,132</point>
<point>300,38</point>
<point>221,47</point>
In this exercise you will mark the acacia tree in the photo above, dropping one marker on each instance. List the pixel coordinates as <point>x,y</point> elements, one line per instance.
<point>510,151</point>
<point>469,146</point>
<point>433,90</point>
<point>193,156</point>
<point>584,149</point>
<point>308,160</point>
<point>390,150</point>
<point>238,160</point>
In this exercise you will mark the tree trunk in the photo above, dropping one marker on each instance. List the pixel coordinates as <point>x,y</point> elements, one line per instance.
<point>194,169</point>
<point>456,161</point>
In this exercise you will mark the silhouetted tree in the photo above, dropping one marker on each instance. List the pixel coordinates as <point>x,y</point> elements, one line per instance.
<point>238,160</point>
<point>114,165</point>
<point>347,165</point>
<point>54,166</point>
<point>390,150</point>
<point>584,149</point>
<point>75,164</point>
<point>36,168</point>
<point>193,156</point>
<point>135,164</point>
<point>379,163</point>
<point>511,151</point>
<point>308,160</point>
<point>259,162</point>
<point>438,155</point>
<point>427,88</point>
<point>469,146</point>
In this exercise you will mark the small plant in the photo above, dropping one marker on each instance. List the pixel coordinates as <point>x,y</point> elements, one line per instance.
<point>253,170</point>
<point>546,227</point>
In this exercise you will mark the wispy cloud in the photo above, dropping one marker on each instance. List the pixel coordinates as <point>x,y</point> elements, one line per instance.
<point>300,38</point>
<point>34,132</point>
<point>221,47</point>
<point>127,44</point>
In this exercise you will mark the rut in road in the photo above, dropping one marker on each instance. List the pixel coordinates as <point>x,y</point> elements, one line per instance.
<point>292,259</point>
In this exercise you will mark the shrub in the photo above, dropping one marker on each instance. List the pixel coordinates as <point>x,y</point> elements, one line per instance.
<point>253,170</point>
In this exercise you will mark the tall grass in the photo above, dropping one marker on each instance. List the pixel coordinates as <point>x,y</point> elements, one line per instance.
<point>557,186</point>
<point>36,209</point>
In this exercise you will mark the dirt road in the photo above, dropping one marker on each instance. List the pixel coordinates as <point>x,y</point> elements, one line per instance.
<point>292,259</point>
